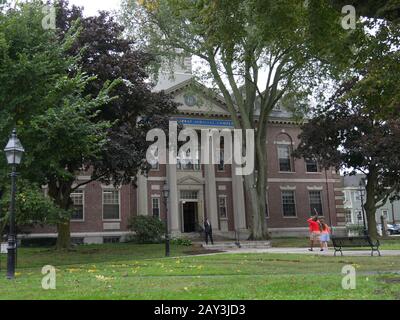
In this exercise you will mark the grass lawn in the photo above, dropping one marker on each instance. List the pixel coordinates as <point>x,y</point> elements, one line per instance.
<point>128,271</point>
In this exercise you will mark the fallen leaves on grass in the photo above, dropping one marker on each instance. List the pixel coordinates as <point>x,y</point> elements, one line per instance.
<point>103,278</point>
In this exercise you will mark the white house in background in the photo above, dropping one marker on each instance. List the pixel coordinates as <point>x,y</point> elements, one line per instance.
<point>352,203</point>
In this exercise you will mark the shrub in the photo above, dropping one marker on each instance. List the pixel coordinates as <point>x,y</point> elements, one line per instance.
<point>38,242</point>
<point>355,229</point>
<point>147,229</point>
<point>182,242</point>
<point>32,207</point>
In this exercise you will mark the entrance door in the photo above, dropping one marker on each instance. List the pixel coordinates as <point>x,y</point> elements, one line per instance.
<point>189,216</point>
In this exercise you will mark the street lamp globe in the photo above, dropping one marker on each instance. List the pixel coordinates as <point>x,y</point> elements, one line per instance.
<point>166,191</point>
<point>14,149</point>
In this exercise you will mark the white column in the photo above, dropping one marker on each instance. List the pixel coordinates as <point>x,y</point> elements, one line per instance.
<point>239,208</point>
<point>142,195</point>
<point>211,195</point>
<point>173,201</point>
<point>200,207</point>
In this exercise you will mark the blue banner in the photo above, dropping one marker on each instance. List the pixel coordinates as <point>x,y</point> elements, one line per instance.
<point>205,122</point>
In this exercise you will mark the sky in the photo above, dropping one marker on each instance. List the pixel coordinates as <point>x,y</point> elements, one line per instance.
<point>92,6</point>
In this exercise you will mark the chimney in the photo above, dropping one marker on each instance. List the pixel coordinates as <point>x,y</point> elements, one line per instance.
<point>187,65</point>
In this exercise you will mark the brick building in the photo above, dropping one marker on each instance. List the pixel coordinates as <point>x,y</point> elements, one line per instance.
<point>295,186</point>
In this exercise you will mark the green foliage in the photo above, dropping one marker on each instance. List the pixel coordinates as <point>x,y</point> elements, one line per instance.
<point>355,228</point>
<point>374,75</point>
<point>382,9</point>
<point>63,138</point>
<point>181,242</point>
<point>32,207</point>
<point>42,93</point>
<point>147,229</point>
<point>348,133</point>
<point>64,92</point>
<point>31,60</point>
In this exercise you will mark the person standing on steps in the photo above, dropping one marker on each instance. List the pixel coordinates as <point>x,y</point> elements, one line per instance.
<point>208,231</point>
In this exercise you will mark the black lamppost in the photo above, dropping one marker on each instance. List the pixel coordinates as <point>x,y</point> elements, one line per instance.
<point>14,152</point>
<point>166,195</point>
<point>361,190</point>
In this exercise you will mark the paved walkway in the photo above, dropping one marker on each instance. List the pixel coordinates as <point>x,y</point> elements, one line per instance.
<point>346,253</point>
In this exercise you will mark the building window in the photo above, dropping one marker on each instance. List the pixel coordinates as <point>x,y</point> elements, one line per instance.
<point>155,166</point>
<point>77,241</point>
<point>78,205</point>
<point>316,202</point>
<point>385,214</point>
<point>111,239</point>
<point>357,195</point>
<point>155,205</point>
<point>111,204</point>
<point>288,203</point>
<point>186,162</point>
<point>311,165</point>
<point>348,217</point>
<point>189,195</point>
<point>221,164</point>
<point>284,158</point>
<point>222,207</point>
<point>359,215</point>
<point>266,206</point>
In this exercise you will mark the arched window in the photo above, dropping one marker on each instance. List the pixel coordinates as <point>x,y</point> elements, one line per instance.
<point>284,150</point>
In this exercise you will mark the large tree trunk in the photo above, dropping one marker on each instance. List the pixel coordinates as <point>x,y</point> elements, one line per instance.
<point>64,236</point>
<point>256,187</point>
<point>61,193</point>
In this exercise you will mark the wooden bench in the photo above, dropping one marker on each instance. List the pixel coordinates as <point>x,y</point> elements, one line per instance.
<point>355,242</point>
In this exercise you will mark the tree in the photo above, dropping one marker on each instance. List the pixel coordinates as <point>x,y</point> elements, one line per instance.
<point>256,54</point>
<point>348,135</point>
<point>65,140</point>
<point>356,129</point>
<point>381,9</point>
<point>107,56</point>
<point>32,64</point>
<point>82,109</point>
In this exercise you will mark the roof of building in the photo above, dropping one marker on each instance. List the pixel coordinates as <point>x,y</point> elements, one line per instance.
<point>353,181</point>
<point>183,78</point>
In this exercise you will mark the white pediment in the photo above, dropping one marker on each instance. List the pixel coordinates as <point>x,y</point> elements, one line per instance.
<point>189,180</point>
<point>194,97</point>
<point>197,103</point>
